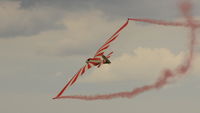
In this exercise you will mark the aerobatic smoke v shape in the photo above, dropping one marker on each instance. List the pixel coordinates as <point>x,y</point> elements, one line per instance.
<point>166,73</point>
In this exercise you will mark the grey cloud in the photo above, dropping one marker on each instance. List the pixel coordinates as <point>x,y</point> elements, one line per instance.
<point>32,28</point>
<point>62,4</point>
<point>113,9</point>
<point>27,22</point>
<point>160,9</point>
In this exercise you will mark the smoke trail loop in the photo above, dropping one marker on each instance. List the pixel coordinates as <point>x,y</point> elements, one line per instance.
<point>167,74</point>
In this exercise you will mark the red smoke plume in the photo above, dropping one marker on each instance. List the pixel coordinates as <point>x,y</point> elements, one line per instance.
<point>167,74</point>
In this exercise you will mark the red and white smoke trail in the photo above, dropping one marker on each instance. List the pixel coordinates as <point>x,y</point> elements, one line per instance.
<point>167,74</point>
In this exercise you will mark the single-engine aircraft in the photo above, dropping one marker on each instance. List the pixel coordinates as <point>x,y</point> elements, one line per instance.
<point>98,59</point>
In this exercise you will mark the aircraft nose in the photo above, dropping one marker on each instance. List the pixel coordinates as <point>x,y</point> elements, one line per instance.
<point>87,61</point>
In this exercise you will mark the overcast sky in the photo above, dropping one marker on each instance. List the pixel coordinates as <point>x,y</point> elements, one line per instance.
<point>44,42</point>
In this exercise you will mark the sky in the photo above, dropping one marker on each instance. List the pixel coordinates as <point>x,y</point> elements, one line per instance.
<point>44,42</point>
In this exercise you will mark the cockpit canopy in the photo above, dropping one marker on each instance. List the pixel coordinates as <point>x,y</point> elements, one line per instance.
<point>88,60</point>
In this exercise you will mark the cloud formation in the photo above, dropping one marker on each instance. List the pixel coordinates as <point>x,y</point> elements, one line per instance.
<point>115,8</point>
<point>85,34</point>
<point>31,17</point>
<point>17,22</point>
<point>33,68</point>
<point>143,64</point>
<point>110,7</point>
